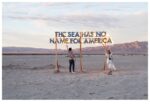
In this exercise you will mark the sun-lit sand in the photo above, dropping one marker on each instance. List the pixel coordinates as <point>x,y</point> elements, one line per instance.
<point>33,77</point>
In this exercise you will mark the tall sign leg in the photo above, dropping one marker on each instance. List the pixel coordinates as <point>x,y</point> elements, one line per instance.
<point>56,55</point>
<point>81,67</point>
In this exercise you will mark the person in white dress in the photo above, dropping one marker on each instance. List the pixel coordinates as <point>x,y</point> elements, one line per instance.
<point>109,61</point>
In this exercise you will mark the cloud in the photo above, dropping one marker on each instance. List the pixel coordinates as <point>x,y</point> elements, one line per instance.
<point>87,20</point>
<point>108,17</point>
<point>47,18</point>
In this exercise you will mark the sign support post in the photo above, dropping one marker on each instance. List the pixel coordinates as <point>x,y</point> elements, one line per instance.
<point>81,66</point>
<point>56,55</point>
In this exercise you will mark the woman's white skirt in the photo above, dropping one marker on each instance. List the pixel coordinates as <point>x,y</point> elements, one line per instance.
<point>110,65</point>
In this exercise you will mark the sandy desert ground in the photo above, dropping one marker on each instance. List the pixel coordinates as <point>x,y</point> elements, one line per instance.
<point>33,77</point>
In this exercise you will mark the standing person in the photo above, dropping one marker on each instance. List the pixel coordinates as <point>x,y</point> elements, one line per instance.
<point>109,65</point>
<point>109,61</point>
<point>71,60</point>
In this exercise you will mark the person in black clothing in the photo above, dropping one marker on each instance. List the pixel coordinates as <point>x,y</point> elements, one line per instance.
<point>71,60</point>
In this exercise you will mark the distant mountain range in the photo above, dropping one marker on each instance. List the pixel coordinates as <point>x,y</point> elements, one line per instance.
<point>124,48</point>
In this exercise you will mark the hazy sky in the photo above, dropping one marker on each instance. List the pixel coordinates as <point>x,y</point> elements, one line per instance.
<point>32,24</point>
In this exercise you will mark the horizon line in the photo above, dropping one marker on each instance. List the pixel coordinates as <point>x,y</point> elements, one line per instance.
<point>64,48</point>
